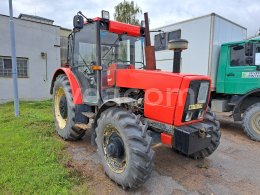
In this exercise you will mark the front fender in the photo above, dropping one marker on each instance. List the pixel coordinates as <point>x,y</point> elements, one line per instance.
<point>108,104</point>
<point>113,102</point>
<point>75,87</point>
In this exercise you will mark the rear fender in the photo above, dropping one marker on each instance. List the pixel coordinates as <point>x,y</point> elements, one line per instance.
<point>75,87</point>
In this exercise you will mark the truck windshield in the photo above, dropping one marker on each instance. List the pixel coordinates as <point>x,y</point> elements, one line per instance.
<point>121,49</point>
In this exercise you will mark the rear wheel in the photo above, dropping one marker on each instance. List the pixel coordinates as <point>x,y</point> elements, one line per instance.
<point>210,119</point>
<point>251,122</point>
<point>124,147</point>
<point>64,110</point>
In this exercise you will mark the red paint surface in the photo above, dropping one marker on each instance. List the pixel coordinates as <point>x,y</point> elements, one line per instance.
<point>120,28</point>
<point>182,98</point>
<point>166,139</point>
<point>165,92</point>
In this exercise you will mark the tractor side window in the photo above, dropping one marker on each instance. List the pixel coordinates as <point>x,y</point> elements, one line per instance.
<point>237,55</point>
<point>85,46</point>
<point>139,53</point>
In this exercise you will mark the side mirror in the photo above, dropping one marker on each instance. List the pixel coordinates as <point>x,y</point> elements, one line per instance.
<point>249,49</point>
<point>78,22</point>
<point>249,60</point>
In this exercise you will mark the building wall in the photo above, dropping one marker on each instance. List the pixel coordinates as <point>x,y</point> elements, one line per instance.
<point>32,39</point>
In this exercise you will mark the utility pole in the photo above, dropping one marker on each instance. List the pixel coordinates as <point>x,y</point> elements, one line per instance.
<point>14,63</point>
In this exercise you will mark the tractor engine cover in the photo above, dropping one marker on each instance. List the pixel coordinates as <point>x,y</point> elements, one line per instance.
<point>111,72</point>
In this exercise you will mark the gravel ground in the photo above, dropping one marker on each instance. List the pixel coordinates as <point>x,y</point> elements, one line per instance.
<point>233,169</point>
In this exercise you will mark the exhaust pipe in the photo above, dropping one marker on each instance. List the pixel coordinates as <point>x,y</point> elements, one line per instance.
<point>149,50</point>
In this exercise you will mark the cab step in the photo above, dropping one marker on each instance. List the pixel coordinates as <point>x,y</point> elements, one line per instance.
<point>85,126</point>
<point>90,115</point>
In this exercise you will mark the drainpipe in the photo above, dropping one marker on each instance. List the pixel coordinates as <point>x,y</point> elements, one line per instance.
<point>45,56</point>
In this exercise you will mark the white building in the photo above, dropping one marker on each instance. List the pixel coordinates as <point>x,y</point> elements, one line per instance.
<point>38,55</point>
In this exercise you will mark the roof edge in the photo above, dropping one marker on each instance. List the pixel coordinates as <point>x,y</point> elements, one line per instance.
<point>200,17</point>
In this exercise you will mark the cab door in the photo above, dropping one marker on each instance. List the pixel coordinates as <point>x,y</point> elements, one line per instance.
<point>242,74</point>
<point>85,55</point>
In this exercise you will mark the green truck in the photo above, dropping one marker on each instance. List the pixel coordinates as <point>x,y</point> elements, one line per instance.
<point>238,84</point>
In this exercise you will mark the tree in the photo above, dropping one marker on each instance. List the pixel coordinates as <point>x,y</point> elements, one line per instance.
<point>127,12</point>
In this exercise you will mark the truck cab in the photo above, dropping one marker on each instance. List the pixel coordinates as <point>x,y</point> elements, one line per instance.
<point>238,84</point>
<point>239,67</point>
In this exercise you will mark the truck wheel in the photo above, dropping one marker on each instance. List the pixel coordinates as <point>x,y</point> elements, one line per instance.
<point>210,119</point>
<point>124,147</point>
<point>64,110</point>
<point>251,122</point>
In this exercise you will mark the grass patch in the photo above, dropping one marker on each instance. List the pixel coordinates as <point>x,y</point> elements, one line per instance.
<point>31,158</point>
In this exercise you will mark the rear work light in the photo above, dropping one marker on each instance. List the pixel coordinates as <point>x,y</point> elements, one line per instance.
<point>105,14</point>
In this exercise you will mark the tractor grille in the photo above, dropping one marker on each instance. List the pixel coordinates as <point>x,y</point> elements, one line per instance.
<point>197,99</point>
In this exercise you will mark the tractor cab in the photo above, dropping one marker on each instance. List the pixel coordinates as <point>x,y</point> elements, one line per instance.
<point>96,45</point>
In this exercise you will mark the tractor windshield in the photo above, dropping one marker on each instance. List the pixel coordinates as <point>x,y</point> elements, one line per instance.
<point>121,49</point>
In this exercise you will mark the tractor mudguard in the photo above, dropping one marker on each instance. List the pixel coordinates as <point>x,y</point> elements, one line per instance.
<point>108,104</point>
<point>113,102</point>
<point>236,110</point>
<point>75,87</point>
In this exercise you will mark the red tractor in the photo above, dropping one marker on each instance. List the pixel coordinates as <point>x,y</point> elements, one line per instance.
<point>110,86</point>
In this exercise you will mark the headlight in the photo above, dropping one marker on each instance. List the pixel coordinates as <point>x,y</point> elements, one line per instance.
<point>203,92</point>
<point>189,115</point>
<point>201,113</point>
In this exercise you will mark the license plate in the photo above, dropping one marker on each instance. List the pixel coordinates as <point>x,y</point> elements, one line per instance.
<point>195,106</point>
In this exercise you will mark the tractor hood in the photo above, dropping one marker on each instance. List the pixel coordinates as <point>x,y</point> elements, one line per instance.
<point>149,79</point>
<point>165,92</point>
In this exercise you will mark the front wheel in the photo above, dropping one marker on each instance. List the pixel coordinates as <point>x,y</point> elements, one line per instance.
<point>210,119</point>
<point>64,110</point>
<point>251,122</point>
<point>124,147</point>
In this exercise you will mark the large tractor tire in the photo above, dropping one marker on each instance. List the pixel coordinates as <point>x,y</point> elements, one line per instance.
<point>210,119</point>
<point>64,110</point>
<point>251,122</point>
<point>124,147</point>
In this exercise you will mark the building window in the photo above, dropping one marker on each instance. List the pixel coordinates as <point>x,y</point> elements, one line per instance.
<point>6,67</point>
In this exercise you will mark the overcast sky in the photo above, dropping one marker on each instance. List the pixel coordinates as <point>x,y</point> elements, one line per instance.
<point>161,12</point>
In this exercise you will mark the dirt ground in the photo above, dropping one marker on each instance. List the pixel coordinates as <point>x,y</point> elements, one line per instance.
<point>233,169</point>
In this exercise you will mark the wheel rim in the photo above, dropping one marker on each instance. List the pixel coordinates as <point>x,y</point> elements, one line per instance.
<point>61,109</point>
<point>114,150</point>
<point>255,122</point>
